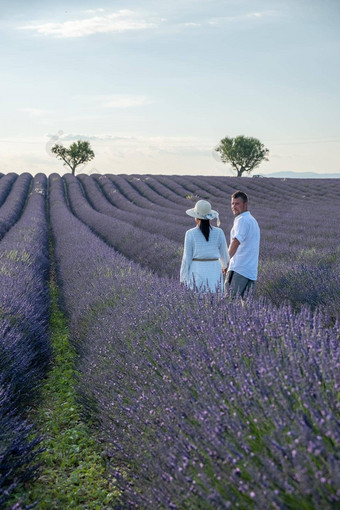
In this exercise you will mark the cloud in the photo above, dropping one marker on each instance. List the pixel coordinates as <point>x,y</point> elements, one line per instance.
<point>169,144</point>
<point>239,18</point>
<point>36,112</point>
<point>116,22</point>
<point>125,101</point>
<point>192,24</point>
<point>97,21</point>
<point>93,11</point>
<point>62,137</point>
<point>118,101</point>
<point>148,144</point>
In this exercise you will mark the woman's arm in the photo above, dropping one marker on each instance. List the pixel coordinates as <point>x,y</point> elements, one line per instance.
<point>187,258</point>
<point>224,255</point>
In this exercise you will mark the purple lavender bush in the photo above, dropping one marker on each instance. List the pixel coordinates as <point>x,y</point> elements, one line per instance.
<point>24,342</point>
<point>146,194</point>
<point>210,404</point>
<point>203,401</point>
<point>11,209</point>
<point>137,217</point>
<point>152,250</point>
<point>6,183</point>
<point>301,261</point>
<point>119,190</point>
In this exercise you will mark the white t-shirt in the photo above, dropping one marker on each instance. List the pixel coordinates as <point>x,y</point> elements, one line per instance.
<point>247,232</point>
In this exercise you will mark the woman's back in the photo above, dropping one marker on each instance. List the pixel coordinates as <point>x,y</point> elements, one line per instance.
<point>203,260</point>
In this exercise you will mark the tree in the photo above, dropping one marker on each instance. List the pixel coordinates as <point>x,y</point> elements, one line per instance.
<point>78,153</point>
<point>243,153</point>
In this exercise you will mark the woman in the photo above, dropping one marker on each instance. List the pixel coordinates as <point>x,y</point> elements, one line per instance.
<point>205,251</point>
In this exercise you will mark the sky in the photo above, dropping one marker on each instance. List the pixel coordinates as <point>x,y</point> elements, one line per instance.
<point>155,85</point>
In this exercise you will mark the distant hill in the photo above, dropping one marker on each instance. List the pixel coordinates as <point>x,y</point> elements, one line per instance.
<point>303,175</point>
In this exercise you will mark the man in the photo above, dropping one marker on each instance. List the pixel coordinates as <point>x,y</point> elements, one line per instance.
<point>244,247</point>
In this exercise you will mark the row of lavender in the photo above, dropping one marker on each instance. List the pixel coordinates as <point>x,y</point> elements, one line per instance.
<point>205,403</point>
<point>144,218</point>
<point>24,345</point>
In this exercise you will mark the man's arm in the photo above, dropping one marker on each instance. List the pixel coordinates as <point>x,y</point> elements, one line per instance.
<point>235,243</point>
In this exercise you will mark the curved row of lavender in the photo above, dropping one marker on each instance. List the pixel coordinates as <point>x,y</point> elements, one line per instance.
<point>123,209</point>
<point>24,342</point>
<point>6,182</point>
<point>124,193</point>
<point>14,200</point>
<point>152,250</point>
<point>137,189</point>
<point>206,403</point>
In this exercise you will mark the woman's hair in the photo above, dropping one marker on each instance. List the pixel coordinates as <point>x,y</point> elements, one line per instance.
<point>205,228</point>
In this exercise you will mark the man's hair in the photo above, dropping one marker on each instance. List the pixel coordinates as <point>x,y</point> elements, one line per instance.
<point>240,194</point>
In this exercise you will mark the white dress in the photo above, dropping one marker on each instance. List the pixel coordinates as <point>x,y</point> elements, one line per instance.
<point>204,275</point>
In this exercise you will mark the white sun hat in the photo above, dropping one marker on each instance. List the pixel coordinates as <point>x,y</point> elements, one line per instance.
<point>203,211</point>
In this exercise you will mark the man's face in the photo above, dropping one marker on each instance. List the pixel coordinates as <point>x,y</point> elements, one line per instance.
<point>238,206</point>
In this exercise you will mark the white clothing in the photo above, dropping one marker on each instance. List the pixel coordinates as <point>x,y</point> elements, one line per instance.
<point>204,275</point>
<point>245,261</point>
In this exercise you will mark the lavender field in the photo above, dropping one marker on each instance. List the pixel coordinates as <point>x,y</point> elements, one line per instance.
<point>200,402</point>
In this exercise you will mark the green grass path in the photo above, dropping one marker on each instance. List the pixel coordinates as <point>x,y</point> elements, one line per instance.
<point>73,472</point>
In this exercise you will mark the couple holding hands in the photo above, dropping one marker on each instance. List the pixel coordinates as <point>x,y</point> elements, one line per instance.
<point>207,264</point>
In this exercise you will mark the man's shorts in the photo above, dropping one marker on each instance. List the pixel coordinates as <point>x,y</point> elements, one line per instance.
<point>239,285</point>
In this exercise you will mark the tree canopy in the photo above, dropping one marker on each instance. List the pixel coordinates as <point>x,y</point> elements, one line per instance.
<point>78,153</point>
<point>243,153</point>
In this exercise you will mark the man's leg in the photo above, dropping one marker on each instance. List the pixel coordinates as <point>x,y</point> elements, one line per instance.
<point>238,284</point>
